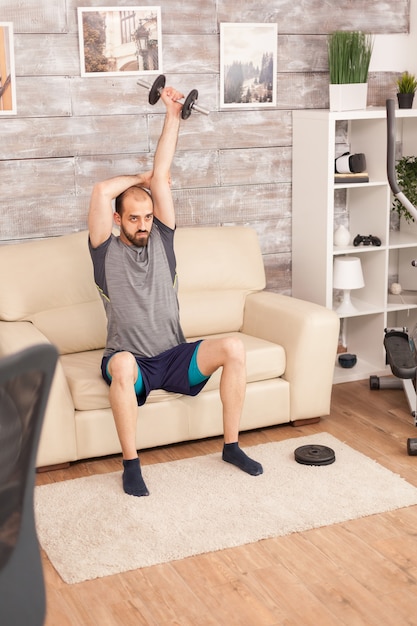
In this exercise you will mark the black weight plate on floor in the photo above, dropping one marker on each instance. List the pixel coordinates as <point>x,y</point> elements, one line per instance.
<point>154,95</point>
<point>412,446</point>
<point>187,107</point>
<point>314,455</point>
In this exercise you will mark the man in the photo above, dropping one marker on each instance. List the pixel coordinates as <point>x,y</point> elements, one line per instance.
<point>136,276</point>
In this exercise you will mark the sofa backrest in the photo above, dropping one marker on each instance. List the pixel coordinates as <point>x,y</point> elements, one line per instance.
<point>217,267</point>
<point>50,283</point>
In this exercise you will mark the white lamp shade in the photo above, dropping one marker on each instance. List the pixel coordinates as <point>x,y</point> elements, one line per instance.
<point>347,273</point>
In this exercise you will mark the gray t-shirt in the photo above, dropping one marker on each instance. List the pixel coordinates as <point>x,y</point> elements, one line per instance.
<point>138,287</point>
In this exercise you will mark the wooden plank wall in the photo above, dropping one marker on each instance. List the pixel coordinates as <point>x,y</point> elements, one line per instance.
<point>232,167</point>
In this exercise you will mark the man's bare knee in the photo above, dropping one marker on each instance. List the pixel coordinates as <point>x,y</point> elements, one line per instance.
<point>123,367</point>
<point>234,349</point>
<point>215,353</point>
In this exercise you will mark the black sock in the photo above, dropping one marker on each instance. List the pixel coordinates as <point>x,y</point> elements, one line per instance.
<point>133,483</point>
<point>233,454</point>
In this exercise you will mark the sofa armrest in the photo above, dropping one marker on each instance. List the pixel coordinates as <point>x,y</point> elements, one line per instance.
<point>58,441</point>
<point>309,334</point>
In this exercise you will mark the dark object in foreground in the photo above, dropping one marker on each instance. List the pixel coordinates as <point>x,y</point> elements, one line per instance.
<point>314,455</point>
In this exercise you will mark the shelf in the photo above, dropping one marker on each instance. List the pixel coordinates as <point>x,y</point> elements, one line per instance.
<point>399,239</point>
<point>337,250</point>
<point>363,369</point>
<point>370,113</point>
<point>393,308</point>
<point>407,300</point>
<point>376,183</point>
<point>319,205</point>
<point>362,308</point>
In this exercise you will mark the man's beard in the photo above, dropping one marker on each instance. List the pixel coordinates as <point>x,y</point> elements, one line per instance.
<point>139,239</point>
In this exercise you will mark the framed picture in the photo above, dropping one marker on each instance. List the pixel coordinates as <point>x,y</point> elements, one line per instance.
<point>248,65</point>
<point>120,40</point>
<point>7,71</point>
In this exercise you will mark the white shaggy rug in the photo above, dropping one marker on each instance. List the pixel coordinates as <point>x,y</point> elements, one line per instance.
<point>89,528</point>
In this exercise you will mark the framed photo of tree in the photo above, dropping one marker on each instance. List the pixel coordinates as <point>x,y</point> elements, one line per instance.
<point>120,40</point>
<point>248,65</point>
<point>7,70</point>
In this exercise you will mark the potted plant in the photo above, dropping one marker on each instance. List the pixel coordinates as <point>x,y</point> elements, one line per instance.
<point>406,88</point>
<point>406,169</point>
<point>349,55</point>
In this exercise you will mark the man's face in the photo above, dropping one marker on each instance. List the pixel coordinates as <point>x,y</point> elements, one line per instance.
<point>136,220</point>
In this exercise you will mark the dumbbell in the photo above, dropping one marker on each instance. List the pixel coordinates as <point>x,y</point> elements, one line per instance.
<point>188,104</point>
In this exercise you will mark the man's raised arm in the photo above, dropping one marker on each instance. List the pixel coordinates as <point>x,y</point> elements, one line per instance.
<point>161,180</point>
<point>100,215</point>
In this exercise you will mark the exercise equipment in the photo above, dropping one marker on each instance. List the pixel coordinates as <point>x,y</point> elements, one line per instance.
<point>347,360</point>
<point>189,104</point>
<point>314,455</point>
<point>400,347</point>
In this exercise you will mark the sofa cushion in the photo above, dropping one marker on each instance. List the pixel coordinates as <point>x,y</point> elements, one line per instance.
<point>264,360</point>
<point>217,268</point>
<point>88,389</point>
<point>210,312</point>
<point>73,328</point>
<point>52,286</point>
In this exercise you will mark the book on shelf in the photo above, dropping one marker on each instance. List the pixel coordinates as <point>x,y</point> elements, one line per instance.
<point>360,177</point>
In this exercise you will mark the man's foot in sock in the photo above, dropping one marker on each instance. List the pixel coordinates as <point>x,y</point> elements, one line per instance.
<point>133,483</point>
<point>235,455</point>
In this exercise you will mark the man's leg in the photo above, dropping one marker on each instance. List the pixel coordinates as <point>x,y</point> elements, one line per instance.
<point>229,353</point>
<point>123,370</point>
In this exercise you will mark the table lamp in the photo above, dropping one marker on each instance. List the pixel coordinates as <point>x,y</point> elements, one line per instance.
<point>347,275</point>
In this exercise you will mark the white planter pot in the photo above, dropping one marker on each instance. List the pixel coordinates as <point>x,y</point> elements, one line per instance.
<point>348,97</point>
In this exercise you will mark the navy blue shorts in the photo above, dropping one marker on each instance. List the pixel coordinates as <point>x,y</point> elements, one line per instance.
<point>172,370</point>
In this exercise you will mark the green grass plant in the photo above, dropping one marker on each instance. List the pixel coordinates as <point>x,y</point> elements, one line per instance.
<point>406,83</point>
<point>349,55</point>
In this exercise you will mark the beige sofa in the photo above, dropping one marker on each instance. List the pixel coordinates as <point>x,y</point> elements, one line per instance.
<point>47,294</point>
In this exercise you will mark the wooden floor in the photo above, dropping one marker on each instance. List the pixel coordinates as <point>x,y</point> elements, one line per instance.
<point>362,572</point>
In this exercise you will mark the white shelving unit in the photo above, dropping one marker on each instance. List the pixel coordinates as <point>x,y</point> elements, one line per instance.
<point>319,136</point>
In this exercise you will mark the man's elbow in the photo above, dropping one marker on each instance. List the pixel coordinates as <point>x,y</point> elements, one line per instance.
<point>99,189</point>
<point>160,181</point>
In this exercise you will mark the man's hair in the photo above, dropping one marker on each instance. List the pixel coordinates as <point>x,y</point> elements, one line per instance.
<point>119,199</point>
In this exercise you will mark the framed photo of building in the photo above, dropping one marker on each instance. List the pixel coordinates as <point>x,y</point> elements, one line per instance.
<point>248,65</point>
<point>120,40</point>
<point>7,70</point>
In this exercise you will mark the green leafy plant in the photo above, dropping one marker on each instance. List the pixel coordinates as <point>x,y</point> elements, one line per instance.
<point>406,169</point>
<point>406,83</point>
<point>349,55</point>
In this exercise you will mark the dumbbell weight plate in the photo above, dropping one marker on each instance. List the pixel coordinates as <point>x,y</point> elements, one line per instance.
<point>314,455</point>
<point>187,107</point>
<point>412,446</point>
<point>154,92</point>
